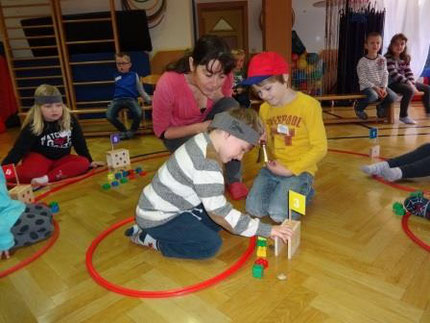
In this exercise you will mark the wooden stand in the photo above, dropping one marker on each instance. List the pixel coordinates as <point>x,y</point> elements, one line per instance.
<point>23,193</point>
<point>374,151</point>
<point>293,242</point>
<point>118,158</point>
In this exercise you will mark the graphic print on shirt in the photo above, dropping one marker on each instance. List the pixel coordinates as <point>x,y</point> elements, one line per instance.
<point>284,126</point>
<point>59,139</point>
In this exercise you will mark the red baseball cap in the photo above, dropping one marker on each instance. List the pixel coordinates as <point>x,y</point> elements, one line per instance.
<point>265,65</point>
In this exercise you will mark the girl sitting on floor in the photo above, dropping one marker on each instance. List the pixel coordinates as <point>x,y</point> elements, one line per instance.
<point>46,139</point>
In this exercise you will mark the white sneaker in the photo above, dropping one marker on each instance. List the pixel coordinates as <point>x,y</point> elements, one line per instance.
<point>408,120</point>
<point>40,181</point>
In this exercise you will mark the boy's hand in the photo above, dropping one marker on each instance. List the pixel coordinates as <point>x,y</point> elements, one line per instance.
<point>276,168</point>
<point>281,231</point>
<point>5,253</point>
<point>263,138</point>
<point>383,92</point>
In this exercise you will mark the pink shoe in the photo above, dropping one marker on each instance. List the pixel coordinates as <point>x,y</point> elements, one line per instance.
<point>237,190</point>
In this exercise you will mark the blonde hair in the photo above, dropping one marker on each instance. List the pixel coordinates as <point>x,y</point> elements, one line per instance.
<point>35,118</point>
<point>237,52</point>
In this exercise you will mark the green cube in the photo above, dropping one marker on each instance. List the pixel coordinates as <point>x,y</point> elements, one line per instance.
<point>257,271</point>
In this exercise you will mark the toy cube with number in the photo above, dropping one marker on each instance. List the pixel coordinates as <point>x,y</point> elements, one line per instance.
<point>118,158</point>
<point>23,193</point>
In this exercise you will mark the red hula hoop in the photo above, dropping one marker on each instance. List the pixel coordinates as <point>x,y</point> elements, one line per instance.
<point>32,258</point>
<point>159,294</point>
<point>411,235</point>
<point>56,233</point>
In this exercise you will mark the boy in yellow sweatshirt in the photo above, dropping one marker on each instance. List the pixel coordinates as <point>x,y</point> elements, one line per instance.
<point>296,138</point>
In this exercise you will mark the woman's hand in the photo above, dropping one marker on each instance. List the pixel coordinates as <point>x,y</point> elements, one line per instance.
<point>5,253</point>
<point>96,163</point>
<point>281,231</point>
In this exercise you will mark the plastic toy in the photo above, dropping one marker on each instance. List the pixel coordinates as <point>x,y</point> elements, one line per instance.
<point>262,252</point>
<point>111,177</point>
<point>106,186</point>
<point>123,180</point>
<point>398,209</point>
<point>115,184</point>
<point>261,242</point>
<point>118,175</point>
<point>262,261</point>
<point>257,271</point>
<point>55,208</point>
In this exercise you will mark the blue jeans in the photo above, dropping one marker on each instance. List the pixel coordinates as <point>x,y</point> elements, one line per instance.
<point>269,194</point>
<point>124,103</point>
<point>192,234</point>
<point>372,96</point>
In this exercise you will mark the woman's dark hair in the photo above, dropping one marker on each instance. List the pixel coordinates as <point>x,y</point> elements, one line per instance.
<point>207,49</point>
<point>403,55</point>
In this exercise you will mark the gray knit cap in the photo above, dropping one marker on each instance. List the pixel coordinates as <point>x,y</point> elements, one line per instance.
<point>235,127</point>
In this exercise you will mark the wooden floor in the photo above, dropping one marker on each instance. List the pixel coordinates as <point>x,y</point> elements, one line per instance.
<point>355,264</point>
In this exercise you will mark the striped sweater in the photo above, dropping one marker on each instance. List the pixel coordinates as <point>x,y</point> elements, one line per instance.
<point>399,70</point>
<point>192,176</point>
<point>372,72</point>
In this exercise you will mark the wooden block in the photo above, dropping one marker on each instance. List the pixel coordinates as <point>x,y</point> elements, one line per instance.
<point>374,151</point>
<point>293,242</point>
<point>118,158</point>
<point>23,193</point>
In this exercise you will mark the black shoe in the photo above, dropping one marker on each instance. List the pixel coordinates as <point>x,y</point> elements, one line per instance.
<point>380,112</point>
<point>418,205</point>
<point>361,114</point>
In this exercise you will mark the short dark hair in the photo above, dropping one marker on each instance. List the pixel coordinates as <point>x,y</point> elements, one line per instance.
<point>207,49</point>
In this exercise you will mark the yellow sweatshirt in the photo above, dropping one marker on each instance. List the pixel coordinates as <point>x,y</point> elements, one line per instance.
<point>295,133</point>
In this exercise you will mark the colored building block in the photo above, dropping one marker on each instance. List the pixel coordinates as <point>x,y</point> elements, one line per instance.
<point>398,209</point>
<point>131,176</point>
<point>139,169</point>
<point>115,184</point>
<point>262,252</point>
<point>123,180</point>
<point>55,208</point>
<point>142,173</point>
<point>118,175</point>
<point>106,186</point>
<point>262,261</point>
<point>110,177</point>
<point>257,271</point>
<point>261,242</point>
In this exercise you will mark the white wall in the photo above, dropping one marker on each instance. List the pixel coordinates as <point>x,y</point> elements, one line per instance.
<point>309,24</point>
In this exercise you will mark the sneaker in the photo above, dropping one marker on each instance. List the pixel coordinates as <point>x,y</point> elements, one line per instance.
<point>380,112</point>
<point>418,205</point>
<point>361,114</point>
<point>407,120</point>
<point>237,190</point>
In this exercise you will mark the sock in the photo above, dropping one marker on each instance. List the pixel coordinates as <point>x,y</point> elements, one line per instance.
<point>40,180</point>
<point>139,237</point>
<point>392,174</point>
<point>375,169</point>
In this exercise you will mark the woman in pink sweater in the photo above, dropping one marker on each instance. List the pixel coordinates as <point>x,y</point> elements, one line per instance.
<point>190,93</point>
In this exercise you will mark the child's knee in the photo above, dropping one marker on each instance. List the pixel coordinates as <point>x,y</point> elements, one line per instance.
<point>211,246</point>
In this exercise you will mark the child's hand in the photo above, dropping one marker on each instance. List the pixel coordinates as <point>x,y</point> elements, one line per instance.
<point>276,168</point>
<point>281,231</point>
<point>383,92</point>
<point>96,163</point>
<point>5,253</point>
<point>263,138</point>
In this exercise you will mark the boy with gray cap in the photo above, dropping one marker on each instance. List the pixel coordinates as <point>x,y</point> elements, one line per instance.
<point>181,211</point>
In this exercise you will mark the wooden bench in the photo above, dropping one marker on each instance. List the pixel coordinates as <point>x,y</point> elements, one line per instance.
<point>344,97</point>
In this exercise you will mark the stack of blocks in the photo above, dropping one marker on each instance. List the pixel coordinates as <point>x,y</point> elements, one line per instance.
<point>23,193</point>
<point>261,263</point>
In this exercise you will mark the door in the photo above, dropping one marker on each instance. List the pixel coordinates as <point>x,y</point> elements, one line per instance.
<point>229,20</point>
